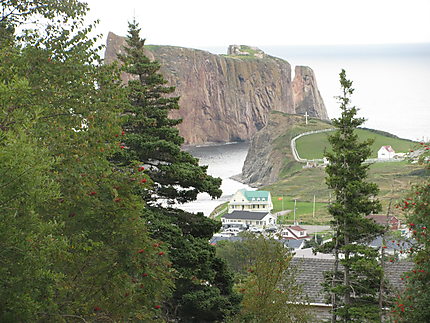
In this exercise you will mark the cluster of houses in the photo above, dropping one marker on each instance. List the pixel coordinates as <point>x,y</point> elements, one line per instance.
<point>252,210</point>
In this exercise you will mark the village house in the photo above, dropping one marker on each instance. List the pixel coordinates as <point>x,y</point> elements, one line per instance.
<point>252,201</point>
<point>294,232</point>
<point>248,218</point>
<point>389,221</point>
<point>386,152</point>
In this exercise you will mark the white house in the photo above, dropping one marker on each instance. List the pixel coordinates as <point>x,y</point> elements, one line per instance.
<point>252,201</point>
<point>386,152</point>
<point>294,232</point>
<point>256,219</point>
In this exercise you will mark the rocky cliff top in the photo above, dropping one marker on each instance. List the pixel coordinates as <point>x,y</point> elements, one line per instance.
<point>244,50</point>
<point>227,98</point>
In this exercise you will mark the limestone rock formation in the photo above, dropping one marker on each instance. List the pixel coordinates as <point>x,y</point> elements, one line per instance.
<point>306,96</point>
<point>224,98</point>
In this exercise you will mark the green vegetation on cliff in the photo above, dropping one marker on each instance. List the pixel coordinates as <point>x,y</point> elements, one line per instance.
<point>313,146</point>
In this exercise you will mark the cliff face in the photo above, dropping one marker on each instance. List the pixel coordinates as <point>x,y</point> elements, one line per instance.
<point>223,98</point>
<point>306,96</point>
<point>267,153</point>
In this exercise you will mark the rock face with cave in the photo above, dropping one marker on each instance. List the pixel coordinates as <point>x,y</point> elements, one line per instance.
<point>228,98</point>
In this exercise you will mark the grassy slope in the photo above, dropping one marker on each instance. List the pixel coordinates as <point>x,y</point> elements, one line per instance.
<point>312,146</point>
<point>282,143</point>
<point>393,179</point>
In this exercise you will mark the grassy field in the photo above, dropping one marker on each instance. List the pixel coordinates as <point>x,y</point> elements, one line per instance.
<point>312,146</point>
<point>304,211</point>
<point>393,179</point>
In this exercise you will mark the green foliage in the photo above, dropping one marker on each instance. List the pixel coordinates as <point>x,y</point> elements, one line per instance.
<point>150,135</point>
<point>151,146</point>
<point>313,146</point>
<point>73,243</point>
<point>354,297</point>
<point>413,305</point>
<point>203,284</point>
<point>270,292</point>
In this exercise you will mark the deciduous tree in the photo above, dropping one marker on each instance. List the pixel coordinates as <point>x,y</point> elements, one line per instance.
<point>413,305</point>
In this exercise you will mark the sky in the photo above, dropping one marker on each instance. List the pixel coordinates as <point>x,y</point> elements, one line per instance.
<point>202,23</point>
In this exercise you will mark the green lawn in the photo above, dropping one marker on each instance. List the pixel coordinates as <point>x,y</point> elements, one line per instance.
<point>304,210</point>
<point>393,179</point>
<point>312,146</point>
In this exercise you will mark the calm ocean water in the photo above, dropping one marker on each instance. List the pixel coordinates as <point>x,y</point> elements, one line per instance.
<point>392,91</point>
<point>223,161</point>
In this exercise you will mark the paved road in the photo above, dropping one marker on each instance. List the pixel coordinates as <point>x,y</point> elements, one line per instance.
<point>293,144</point>
<point>303,160</point>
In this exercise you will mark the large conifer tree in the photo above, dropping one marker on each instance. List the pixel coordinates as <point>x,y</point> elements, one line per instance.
<point>150,136</point>
<point>152,145</point>
<point>354,286</point>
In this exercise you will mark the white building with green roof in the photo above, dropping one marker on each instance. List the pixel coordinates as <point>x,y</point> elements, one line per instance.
<point>251,201</point>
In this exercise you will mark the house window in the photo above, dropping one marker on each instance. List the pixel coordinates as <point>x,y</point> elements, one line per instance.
<point>302,233</point>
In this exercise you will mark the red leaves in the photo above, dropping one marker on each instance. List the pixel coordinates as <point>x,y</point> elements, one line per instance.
<point>161,253</point>
<point>141,168</point>
<point>157,307</point>
<point>92,193</point>
<point>97,309</point>
<point>143,180</point>
<point>118,199</point>
<point>144,275</point>
<point>141,251</point>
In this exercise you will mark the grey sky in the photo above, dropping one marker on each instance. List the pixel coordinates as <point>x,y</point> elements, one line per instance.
<point>200,23</point>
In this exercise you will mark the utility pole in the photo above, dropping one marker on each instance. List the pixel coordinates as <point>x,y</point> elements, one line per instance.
<point>313,213</point>
<point>295,202</point>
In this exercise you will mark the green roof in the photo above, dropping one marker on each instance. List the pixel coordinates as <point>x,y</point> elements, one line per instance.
<point>262,195</point>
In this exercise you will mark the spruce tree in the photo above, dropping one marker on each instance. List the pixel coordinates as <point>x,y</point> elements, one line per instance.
<point>152,145</point>
<point>150,136</point>
<point>353,287</point>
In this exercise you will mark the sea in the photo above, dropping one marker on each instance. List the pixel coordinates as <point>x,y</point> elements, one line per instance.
<point>392,92</point>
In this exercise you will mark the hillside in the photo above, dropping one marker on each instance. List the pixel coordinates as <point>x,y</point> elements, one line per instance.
<point>270,165</point>
<point>313,146</point>
<point>393,179</point>
<point>269,157</point>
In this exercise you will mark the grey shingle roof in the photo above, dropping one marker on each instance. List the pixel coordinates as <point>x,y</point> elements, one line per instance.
<point>214,240</point>
<point>293,243</point>
<point>245,215</point>
<point>310,275</point>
